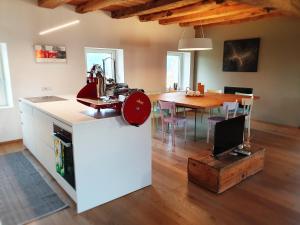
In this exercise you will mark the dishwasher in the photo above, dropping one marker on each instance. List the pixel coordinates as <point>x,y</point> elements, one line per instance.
<point>64,161</point>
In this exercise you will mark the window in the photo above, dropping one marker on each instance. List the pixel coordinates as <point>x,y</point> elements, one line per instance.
<point>174,62</point>
<point>5,87</point>
<point>178,70</point>
<point>111,61</point>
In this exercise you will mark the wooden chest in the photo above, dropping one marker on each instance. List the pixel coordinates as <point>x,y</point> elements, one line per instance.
<point>222,173</point>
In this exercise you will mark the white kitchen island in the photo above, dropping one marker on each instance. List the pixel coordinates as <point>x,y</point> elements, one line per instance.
<point>111,158</point>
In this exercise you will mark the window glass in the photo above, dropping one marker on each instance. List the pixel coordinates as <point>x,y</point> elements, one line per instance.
<point>105,58</point>
<point>179,70</point>
<point>5,89</point>
<point>173,70</point>
<point>3,95</point>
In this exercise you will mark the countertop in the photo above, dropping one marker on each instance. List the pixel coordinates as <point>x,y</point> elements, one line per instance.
<point>70,111</point>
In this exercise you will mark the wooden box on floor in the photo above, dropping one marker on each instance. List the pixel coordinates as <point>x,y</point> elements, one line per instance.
<point>222,173</point>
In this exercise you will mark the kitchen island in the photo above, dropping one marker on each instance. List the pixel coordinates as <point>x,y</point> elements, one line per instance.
<point>108,157</point>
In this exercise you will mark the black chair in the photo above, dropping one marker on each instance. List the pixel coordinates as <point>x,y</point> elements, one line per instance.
<point>233,90</point>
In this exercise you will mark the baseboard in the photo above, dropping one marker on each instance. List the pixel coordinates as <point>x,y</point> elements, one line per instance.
<point>276,124</point>
<point>11,142</point>
<point>285,130</point>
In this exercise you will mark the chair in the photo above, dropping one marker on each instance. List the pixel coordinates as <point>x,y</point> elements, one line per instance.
<point>244,94</point>
<point>211,111</point>
<point>232,90</point>
<point>247,104</point>
<point>214,91</point>
<point>241,107</point>
<point>171,118</point>
<point>155,113</point>
<point>229,109</point>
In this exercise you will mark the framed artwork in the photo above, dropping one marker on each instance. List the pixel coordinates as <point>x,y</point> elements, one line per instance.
<point>241,55</point>
<point>50,54</point>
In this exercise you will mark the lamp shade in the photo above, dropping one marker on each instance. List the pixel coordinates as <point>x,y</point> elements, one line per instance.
<point>195,44</point>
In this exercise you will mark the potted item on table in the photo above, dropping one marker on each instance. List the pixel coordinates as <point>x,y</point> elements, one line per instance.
<point>201,88</point>
<point>191,93</point>
<point>175,86</point>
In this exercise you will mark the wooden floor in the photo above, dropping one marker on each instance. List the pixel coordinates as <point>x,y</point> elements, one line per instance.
<point>271,197</point>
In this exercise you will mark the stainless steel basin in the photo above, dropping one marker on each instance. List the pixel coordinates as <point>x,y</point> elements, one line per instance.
<point>45,99</point>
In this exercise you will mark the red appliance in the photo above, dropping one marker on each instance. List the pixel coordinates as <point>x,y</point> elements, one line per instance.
<point>135,109</point>
<point>89,96</point>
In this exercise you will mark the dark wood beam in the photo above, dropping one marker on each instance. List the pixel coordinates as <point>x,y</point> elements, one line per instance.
<point>225,10</point>
<point>242,17</point>
<point>287,7</point>
<point>270,15</point>
<point>93,5</point>
<point>183,11</point>
<point>152,7</point>
<point>51,4</point>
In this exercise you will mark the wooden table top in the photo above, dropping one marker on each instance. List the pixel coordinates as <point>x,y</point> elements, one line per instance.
<point>209,100</point>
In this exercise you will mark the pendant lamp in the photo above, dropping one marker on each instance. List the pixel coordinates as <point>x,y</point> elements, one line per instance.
<point>195,44</point>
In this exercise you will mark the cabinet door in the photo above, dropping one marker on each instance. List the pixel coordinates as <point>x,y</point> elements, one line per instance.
<point>25,134</point>
<point>43,130</point>
<point>24,127</point>
<point>46,156</point>
<point>27,126</point>
<point>43,127</point>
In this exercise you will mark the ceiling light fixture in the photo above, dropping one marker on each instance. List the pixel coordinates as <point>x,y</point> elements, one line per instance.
<point>195,44</point>
<point>59,27</point>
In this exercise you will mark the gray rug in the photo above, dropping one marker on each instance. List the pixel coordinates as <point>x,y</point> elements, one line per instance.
<point>24,194</point>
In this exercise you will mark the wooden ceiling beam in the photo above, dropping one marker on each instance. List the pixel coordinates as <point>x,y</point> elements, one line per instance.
<point>51,4</point>
<point>287,7</point>
<point>225,10</point>
<point>93,5</point>
<point>152,7</point>
<point>269,15</point>
<point>247,16</point>
<point>183,11</point>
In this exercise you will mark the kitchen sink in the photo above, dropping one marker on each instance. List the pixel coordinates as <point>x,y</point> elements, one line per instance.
<point>45,99</point>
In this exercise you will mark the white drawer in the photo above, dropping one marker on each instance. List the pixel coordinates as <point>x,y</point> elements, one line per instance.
<point>43,127</point>
<point>25,108</point>
<point>46,156</point>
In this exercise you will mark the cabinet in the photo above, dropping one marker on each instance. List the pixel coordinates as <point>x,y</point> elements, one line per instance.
<point>46,156</point>
<point>37,129</point>
<point>43,127</point>
<point>104,169</point>
<point>222,173</point>
<point>27,123</point>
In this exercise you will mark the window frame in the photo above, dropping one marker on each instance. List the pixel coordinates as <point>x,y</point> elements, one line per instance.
<point>112,52</point>
<point>181,67</point>
<point>6,76</point>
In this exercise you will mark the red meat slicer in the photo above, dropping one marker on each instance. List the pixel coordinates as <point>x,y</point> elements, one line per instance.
<point>102,93</point>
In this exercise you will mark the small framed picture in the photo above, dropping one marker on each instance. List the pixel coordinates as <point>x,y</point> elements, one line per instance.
<point>50,54</point>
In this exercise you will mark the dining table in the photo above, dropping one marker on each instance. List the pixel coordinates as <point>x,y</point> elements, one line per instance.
<point>202,102</point>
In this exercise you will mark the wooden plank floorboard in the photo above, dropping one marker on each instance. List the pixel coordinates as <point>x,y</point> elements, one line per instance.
<point>271,197</point>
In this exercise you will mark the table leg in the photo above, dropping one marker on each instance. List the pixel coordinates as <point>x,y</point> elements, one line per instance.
<point>195,129</point>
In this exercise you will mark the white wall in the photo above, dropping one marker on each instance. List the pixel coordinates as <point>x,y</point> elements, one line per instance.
<point>277,81</point>
<point>145,47</point>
